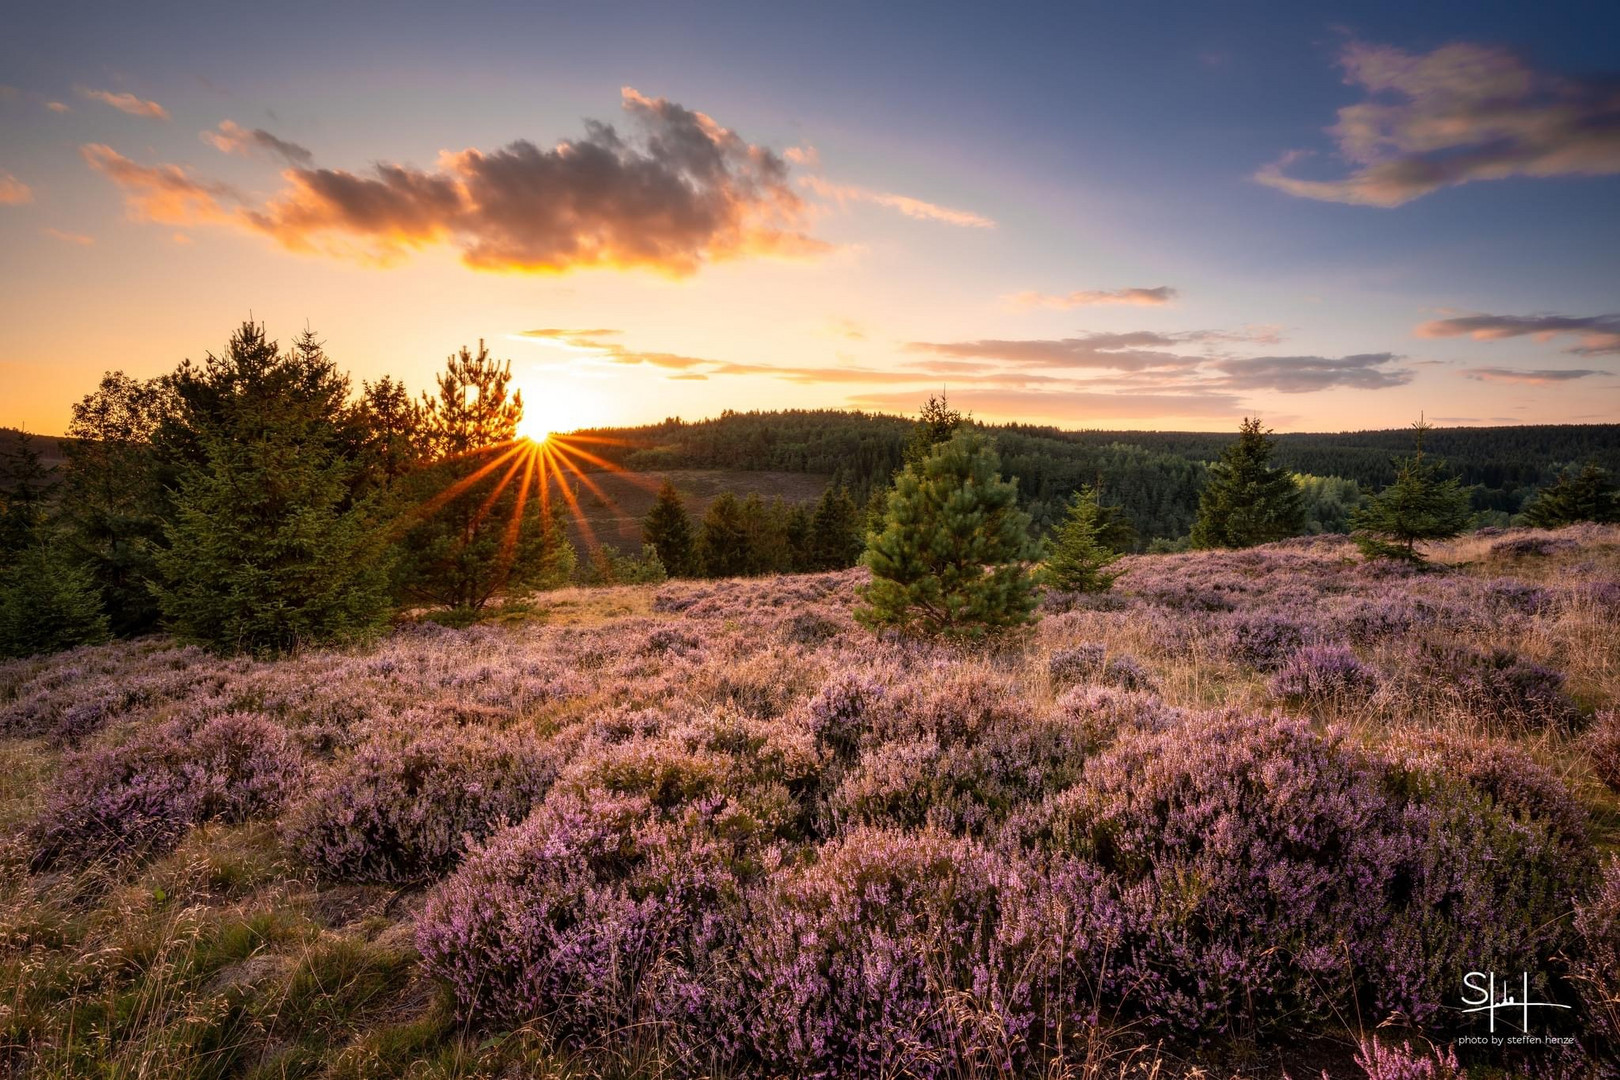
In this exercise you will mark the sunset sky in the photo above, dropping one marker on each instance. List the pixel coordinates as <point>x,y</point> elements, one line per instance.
<point>1103,216</point>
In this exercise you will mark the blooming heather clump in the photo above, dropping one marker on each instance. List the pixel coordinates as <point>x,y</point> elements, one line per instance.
<point>1603,746</point>
<point>1365,620</point>
<point>1524,547</point>
<point>842,712</point>
<point>1241,854</point>
<point>881,959</point>
<point>1262,640</point>
<point>1323,674</point>
<point>1102,713</point>
<point>1597,970</point>
<point>594,917</point>
<point>1386,1061</point>
<point>1502,688</point>
<point>141,796</point>
<point>406,803</point>
<point>1076,664</point>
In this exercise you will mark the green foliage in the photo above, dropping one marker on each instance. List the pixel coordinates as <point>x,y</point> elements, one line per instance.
<point>936,425</point>
<point>1247,501</point>
<point>48,603</point>
<point>267,548</point>
<point>723,549</point>
<point>836,536</point>
<point>950,559</point>
<point>1329,502</point>
<point>109,513</point>
<point>391,426</point>
<point>1589,495</point>
<point>1081,552</point>
<point>24,490</point>
<point>1422,504</point>
<point>608,566</point>
<point>479,518</point>
<point>668,530</point>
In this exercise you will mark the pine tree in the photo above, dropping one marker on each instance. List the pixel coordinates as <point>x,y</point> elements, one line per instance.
<point>835,541</point>
<point>48,603</point>
<point>935,426</point>
<point>950,559</point>
<point>481,519</point>
<point>1247,501</point>
<point>723,545</point>
<point>25,485</point>
<point>267,549</point>
<point>1080,552</point>
<point>668,528</point>
<point>1422,504</point>
<point>1589,495</point>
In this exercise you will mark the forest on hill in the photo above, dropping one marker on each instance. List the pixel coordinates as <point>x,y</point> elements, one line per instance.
<point>1154,476</point>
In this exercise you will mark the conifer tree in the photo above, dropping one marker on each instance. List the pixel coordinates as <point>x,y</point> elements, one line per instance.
<point>48,603</point>
<point>481,519</point>
<point>1422,504</point>
<point>1080,552</point>
<point>936,424</point>
<point>668,529</point>
<point>835,541</point>
<point>25,485</point>
<point>951,557</point>
<point>1248,501</point>
<point>1589,495</point>
<point>723,546</point>
<point>267,549</point>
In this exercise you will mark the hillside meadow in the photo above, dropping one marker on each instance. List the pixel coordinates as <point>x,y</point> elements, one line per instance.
<point>1248,813</point>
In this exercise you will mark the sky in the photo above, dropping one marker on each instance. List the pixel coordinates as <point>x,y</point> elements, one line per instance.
<point>1334,216</point>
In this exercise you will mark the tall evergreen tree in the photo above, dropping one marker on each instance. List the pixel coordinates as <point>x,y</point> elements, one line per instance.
<point>111,502</point>
<point>481,519</point>
<point>668,528</point>
<point>392,427</point>
<point>267,548</point>
<point>48,603</point>
<point>1422,504</point>
<point>1248,501</point>
<point>1080,553</point>
<point>951,557</point>
<point>836,536</point>
<point>1589,495</point>
<point>936,424</point>
<point>724,544</point>
<point>25,485</point>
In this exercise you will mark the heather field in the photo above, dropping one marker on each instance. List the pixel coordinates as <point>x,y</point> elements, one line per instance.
<point>1247,813</point>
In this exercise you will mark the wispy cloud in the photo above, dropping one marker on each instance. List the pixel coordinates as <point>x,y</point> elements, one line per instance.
<point>1075,406</point>
<point>1308,374</point>
<point>78,239</point>
<point>13,192</point>
<point>126,103</point>
<point>910,207</point>
<point>58,106</point>
<point>232,138</point>
<point>1154,297</point>
<point>1461,113</point>
<point>162,193</point>
<point>1597,335</point>
<point>1533,377</point>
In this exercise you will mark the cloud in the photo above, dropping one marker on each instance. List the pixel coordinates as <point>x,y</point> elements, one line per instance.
<point>232,138</point>
<point>79,239</point>
<point>1075,406</point>
<point>912,208</point>
<point>1136,350</point>
<point>1461,113</point>
<point>1598,335</point>
<point>161,193</point>
<point>1533,377</point>
<point>686,193</point>
<point>1154,297</point>
<point>1307,374</point>
<point>13,192</point>
<point>58,106</point>
<point>127,103</point>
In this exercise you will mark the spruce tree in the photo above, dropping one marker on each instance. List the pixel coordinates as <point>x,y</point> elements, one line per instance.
<point>668,529</point>
<point>936,424</point>
<point>723,545</point>
<point>267,549</point>
<point>25,486</point>
<point>1422,504</point>
<point>950,560</point>
<point>1248,501</point>
<point>836,537</point>
<point>1080,553</point>
<point>48,603</point>
<point>481,518</point>
<point>1589,495</point>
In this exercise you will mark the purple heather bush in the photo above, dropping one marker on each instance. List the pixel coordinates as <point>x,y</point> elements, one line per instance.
<point>1603,746</point>
<point>409,800</point>
<point>1499,687</point>
<point>1524,547</point>
<point>1091,663</point>
<point>1261,639</point>
<point>1596,972</point>
<point>1387,1061</point>
<point>1324,674</point>
<point>139,797</point>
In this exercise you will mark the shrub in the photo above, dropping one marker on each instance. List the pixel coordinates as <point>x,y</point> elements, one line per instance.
<point>1261,640</point>
<point>1524,547</point>
<point>1503,688</point>
<point>1090,663</point>
<point>1322,674</point>
<point>593,918</point>
<point>139,797</point>
<point>1386,1061</point>
<point>1603,747</point>
<point>1597,970</point>
<point>407,802</point>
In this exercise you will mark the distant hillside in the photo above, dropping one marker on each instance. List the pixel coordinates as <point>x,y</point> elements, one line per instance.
<point>48,447</point>
<point>1156,475</point>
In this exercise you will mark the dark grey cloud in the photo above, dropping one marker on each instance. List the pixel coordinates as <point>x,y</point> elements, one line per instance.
<point>1596,335</point>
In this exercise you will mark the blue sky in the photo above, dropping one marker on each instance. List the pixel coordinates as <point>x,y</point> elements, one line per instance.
<point>911,195</point>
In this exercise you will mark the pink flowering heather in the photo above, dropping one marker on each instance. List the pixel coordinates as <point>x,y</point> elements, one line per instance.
<point>1603,746</point>
<point>410,799</point>
<point>1597,968</point>
<point>1261,639</point>
<point>1323,674</point>
<point>142,795</point>
<point>1500,687</point>
<point>1386,1061</point>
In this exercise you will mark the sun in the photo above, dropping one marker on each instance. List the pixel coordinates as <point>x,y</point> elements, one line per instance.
<point>534,427</point>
